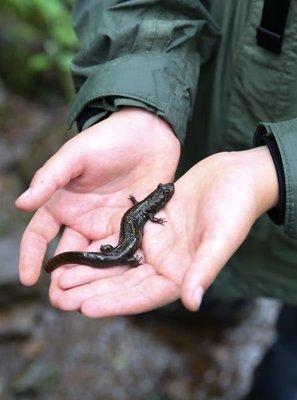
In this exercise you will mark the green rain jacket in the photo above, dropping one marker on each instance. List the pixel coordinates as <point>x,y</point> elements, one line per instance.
<point>197,65</point>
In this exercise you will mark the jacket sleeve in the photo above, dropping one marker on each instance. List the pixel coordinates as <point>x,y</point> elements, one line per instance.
<point>284,134</point>
<point>144,53</point>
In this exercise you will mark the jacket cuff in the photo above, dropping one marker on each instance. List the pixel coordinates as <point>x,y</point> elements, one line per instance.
<point>102,108</point>
<point>152,81</point>
<point>285,136</point>
<point>277,214</point>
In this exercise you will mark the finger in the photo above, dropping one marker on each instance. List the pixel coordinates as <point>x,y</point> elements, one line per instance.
<point>82,275</point>
<point>41,230</point>
<point>70,240</point>
<point>209,259</point>
<point>65,165</point>
<point>72,299</point>
<point>153,292</point>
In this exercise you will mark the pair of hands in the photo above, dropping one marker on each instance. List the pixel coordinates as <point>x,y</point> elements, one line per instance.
<point>85,187</point>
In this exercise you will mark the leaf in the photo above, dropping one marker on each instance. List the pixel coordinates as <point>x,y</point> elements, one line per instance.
<point>39,62</point>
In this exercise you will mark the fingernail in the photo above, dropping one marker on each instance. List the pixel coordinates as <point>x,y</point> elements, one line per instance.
<point>198,294</point>
<point>25,194</point>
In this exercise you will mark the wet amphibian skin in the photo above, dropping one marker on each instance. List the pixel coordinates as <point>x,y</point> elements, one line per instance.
<point>131,230</point>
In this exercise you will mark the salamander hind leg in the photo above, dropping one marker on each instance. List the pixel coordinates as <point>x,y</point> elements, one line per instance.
<point>132,198</point>
<point>105,248</point>
<point>133,261</point>
<point>160,221</point>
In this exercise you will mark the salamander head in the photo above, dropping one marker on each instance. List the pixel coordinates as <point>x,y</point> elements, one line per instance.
<point>161,196</point>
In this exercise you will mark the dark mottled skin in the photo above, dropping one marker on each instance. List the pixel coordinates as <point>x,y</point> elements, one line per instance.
<point>131,230</point>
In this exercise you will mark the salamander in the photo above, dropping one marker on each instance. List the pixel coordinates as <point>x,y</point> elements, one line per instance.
<point>131,231</point>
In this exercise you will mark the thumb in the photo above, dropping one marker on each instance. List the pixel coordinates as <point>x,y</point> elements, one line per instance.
<point>60,169</point>
<point>209,259</point>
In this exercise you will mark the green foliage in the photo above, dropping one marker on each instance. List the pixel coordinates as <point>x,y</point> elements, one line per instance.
<point>37,35</point>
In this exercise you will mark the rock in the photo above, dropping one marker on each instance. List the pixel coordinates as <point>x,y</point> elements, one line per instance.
<point>10,188</point>
<point>31,132</point>
<point>37,377</point>
<point>11,290</point>
<point>18,323</point>
<point>33,347</point>
<point>9,246</point>
<point>3,96</point>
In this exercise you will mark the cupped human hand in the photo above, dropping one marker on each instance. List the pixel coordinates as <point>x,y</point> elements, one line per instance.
<point>85,186</point>
<point>213,208</point>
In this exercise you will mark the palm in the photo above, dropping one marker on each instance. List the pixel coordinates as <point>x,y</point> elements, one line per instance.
<point>95,212</point>
<point>167,252</point>
<point>201,233</point>
<point>95,220</point>
<point>168,249</point>
<point>94,174</point>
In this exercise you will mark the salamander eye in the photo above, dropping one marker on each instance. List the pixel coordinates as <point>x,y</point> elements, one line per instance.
<point>160,185</point>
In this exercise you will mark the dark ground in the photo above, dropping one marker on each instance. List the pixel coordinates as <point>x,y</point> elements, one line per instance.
<point>49,355</point>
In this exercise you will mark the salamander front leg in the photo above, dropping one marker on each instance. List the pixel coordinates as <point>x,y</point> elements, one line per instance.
<point>132,198</point>
<point>160,221</point>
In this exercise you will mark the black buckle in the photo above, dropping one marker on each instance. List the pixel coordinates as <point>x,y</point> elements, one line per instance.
<point>269,40</point>
<point>270,33</point>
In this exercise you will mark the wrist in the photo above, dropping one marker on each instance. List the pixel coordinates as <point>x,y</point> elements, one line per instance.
<point>153,134</point>
<point>147,122</point>
<point>264,177</point>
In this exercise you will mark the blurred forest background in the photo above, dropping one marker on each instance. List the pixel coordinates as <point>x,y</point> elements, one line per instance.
<point>49,355</point>
<point>37,42</point>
